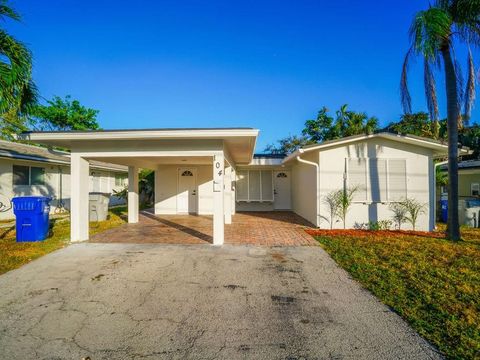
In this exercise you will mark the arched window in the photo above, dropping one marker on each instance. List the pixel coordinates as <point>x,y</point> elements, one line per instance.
<point>187,173</point>
<point>281,175</point>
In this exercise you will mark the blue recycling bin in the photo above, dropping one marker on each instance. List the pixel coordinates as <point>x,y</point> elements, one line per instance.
<point>444,209</point>
<point>32,215</point>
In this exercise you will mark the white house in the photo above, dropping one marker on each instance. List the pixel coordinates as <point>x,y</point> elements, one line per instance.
<point>468,178</point>
<point>214,171</point>
<point>31,170</point>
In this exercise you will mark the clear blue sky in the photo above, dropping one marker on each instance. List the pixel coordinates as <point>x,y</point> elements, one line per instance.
<point>264,64</point>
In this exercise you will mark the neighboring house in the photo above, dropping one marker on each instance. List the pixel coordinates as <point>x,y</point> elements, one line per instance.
<point>214,172</point>
<point>468,178</point>
<point>31,170</point>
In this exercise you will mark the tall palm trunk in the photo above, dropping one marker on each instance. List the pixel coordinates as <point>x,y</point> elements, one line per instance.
<point>453,115</point>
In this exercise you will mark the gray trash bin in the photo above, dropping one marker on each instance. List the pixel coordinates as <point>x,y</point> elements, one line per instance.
<point>469,212</point>
<point>98,205</point>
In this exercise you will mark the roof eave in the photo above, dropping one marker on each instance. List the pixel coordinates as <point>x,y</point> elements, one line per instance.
<point>439,148</point>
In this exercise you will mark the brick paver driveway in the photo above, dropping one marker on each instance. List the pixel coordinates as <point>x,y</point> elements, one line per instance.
<point>278,228</point>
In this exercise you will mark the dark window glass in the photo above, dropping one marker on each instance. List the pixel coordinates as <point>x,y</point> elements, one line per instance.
<point>120,179</point>
<point>20,175</point>
<point>37,175</point>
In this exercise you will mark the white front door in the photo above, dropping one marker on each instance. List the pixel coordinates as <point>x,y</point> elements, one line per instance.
<point>187,191</point>
<point>282,200</point>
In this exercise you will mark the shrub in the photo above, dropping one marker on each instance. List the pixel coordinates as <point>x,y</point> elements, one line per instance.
<point>345,199</point>
<point>399,214</point>
<point>333,203</point>
<point>379,225</point>
<point>413,209</point>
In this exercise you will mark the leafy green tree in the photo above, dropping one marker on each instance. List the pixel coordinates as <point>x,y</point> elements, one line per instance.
<point>346,123</point>
<point>18,93</point>
<point>433,33</point>
<point>470,137</point>
<point>325,127</point>
<point>64,114</point>
<point>419,124</point>
<point>287,145</point>
<point>320,129</point>
<point>441,177</point>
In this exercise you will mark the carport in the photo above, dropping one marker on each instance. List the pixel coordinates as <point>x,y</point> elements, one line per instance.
<point>266,228</point>
<point>194,169</point>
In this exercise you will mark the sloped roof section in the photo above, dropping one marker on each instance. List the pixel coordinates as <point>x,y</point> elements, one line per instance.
<point>15,150</point>
<point>440,148</point>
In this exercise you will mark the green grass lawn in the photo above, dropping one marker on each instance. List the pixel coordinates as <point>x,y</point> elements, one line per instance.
<point>13,254</point>
<point>432,283</point>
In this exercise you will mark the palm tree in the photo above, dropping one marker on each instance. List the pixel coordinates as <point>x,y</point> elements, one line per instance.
<point>17,91</point>
<point>433,33</point>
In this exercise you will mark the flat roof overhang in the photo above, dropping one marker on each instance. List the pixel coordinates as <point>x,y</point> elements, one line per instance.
<point>239,143</point>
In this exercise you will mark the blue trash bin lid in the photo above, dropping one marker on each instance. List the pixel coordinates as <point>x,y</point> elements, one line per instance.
<point>31,198</point>
<point>28,203</point>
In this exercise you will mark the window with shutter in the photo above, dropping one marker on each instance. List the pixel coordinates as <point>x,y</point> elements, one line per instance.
<point>254,188</point>
<point>241,188</point>
<point>267,185</point>
<point>357,178</point>
<point>378,180</point>
<point>254,185</point>
<point>397,179</point>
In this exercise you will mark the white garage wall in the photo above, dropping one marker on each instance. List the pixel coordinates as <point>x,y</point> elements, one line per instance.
<point>304,188</point>
<point>418,165</point>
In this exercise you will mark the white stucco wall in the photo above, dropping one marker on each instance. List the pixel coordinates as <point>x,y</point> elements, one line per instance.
<point>52,186</point>
<point>166,182</point>
<point>419,171</point>
<point>304,188</point>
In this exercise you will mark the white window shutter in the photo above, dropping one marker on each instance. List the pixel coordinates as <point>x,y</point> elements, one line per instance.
<point>357,177</point>
<point>397,179</point>
<point>254,186</point>
<point>267,185</point>
<point>378,180</point>
<point>241,186</point>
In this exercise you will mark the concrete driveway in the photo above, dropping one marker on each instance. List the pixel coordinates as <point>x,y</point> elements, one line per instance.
<point>156,301</point>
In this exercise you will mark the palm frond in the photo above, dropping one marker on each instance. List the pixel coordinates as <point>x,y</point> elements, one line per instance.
<point>460,83</point>
<point>405,97</point>
<point>462,11</point>
<point>15,70</point>
<point>470,89</point>
<point>430,90</point>
<point>429,30</point>
<point>8,12</point>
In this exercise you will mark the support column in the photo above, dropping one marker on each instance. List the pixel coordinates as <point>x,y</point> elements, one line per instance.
<point>234,182</point>
<point>228,195</point>
<point>132,194</point>
<point>218,199</point>
<point>79,178</point>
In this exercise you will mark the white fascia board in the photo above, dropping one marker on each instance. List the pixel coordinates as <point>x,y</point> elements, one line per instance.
<point>139,135</point>
<point>150,153</point>
<point>34,158</point>
<point>265,162</point>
